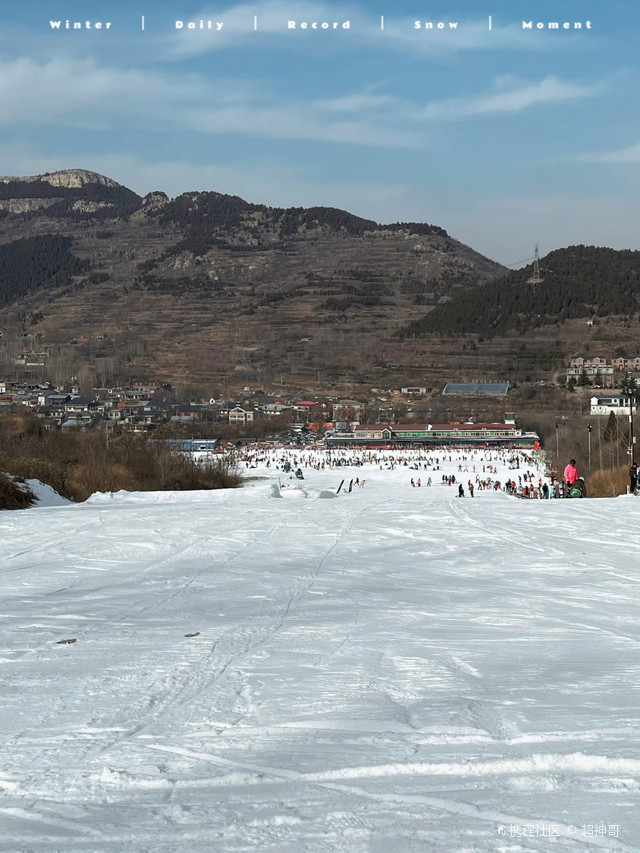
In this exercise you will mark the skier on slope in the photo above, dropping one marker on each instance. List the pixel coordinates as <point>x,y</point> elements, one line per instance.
<point>570,476</point>
<point>578,489</point>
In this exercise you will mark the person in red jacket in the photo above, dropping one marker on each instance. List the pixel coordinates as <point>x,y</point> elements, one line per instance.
<point>570,476</point>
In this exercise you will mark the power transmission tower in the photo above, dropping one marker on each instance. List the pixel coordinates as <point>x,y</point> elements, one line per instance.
<point>238,353</point>
<point>535,278</point>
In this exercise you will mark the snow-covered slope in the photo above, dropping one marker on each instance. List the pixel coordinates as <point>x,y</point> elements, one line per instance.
<point>261,669</point>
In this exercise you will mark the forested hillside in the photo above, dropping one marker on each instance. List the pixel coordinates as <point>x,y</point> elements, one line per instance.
<point>35,262</point>
<point>579,281</point>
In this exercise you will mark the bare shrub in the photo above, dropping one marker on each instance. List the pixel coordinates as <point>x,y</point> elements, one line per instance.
<point>14,495</point>
<point>78,464</point>
<point>103,477</point>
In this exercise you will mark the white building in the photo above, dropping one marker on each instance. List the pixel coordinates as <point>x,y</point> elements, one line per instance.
<point>607,403</point>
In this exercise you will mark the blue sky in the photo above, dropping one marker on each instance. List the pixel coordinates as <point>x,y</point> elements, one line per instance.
<point>505,137</point>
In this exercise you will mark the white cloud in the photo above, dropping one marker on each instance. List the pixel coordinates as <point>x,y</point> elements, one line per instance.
<point>631,154</point>
<point>357,102</point>
<point>81,93</point>
<point>511,95</point>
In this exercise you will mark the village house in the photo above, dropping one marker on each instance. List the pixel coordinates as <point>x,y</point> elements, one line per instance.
<point>191,410</point>
<point>26,398</point>
<point>604,404</point>
<point>241,415</point>
<point>156,410</point>
<point>622,363</point>
<point>275,410</point>
<point>77,421</point>
<point>47,399</point>
<point>82,405</point>
<point>304,408</point>
<point>588,361</point>
<point>602,375</point>
<point>116,413</point>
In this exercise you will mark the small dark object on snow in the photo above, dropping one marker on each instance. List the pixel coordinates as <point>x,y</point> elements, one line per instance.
<point>195,634</point>
<point>65,642</point>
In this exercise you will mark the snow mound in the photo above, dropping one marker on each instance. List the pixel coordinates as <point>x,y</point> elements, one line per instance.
<point>299,492</point>
<point>46,495</point>
<point>188,497</point>
<point>293,492</point>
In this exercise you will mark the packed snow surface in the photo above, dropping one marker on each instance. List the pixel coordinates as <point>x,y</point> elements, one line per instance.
<point>267,669</point>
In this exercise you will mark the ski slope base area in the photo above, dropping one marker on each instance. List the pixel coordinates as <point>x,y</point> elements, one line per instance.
<point>284,669</point>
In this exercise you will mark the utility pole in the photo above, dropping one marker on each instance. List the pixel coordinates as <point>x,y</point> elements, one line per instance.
<point>631,438</point>
<point>630,389</point>
<point>557,450</point>
<point>589,428</point>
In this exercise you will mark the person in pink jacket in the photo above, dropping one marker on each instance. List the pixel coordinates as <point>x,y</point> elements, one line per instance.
<point>570,476</point>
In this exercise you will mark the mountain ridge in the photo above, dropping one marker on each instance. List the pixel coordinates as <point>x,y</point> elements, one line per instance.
<point>69,178</point>
<point>210,287</point>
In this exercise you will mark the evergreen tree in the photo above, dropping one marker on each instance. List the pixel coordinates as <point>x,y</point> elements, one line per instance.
<point>629,387</point>
<point>611,429</point>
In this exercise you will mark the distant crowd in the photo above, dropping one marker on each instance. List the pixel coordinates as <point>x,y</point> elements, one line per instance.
<point>483,466</point>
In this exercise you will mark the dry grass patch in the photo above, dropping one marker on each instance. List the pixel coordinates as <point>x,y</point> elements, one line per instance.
<point>608,483</point>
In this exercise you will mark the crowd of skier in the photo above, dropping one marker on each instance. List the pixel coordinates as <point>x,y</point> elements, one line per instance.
<point>475,470</point>
<point>519,473</point>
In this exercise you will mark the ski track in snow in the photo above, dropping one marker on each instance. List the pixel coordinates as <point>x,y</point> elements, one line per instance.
<point>394,669</point>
